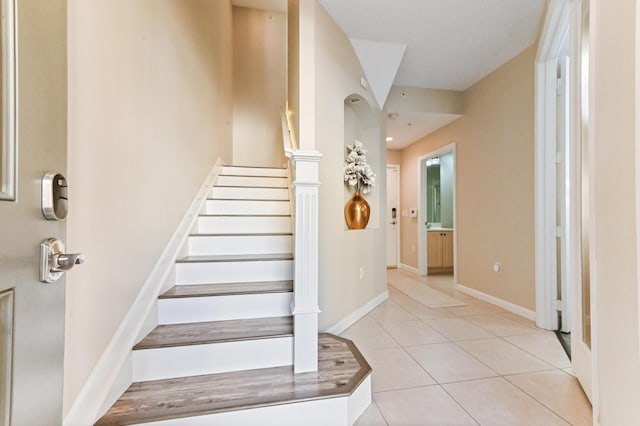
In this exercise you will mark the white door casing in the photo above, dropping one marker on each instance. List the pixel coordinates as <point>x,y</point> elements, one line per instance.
<point>393,215</point>
<point>38,309</point>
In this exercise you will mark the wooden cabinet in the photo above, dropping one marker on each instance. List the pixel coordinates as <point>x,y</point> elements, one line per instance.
<point>440,251</point>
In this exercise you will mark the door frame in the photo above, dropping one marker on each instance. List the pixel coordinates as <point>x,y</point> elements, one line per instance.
<point>422,199</point>
<point>396,167</point>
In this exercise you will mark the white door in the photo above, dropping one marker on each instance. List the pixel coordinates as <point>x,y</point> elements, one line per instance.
<point>580,271</point>
<point>562,192</point>
<point>393,181</point>
<point>31,312</point>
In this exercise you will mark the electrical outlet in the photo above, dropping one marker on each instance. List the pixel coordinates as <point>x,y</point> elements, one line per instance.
<point>361,273</point>
<point>497,267</point>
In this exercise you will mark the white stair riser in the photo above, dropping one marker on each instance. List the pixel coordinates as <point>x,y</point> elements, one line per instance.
<point>221,308</point>
<point>231,207</point>
<point>341,411</point>
<point>194,360</point>
<point>240,244</point>
<point>244,225</point>
<point>233,272</point>
<point>268,182</point>
<point>253,171</point>
<point>232,193</point>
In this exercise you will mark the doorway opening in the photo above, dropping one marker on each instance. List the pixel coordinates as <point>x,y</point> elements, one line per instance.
<point>436,213</point>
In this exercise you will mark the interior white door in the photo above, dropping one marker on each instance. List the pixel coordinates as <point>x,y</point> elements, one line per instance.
<point>393,180</point>
<point>580,270</point>
<point>31,312</point>
<point>562,191</point>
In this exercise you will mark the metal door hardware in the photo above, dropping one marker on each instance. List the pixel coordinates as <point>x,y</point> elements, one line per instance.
<point>54,261</point>
<point>55,202</point>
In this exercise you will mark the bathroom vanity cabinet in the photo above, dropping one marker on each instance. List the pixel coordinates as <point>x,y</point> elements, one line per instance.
<point>439,251</point>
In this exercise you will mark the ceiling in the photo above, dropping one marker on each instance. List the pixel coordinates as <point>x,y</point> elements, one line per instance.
<point>450,44</point>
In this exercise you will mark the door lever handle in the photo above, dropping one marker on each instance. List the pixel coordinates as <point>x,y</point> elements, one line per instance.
<point>64,262</point>
<point>54,261</point>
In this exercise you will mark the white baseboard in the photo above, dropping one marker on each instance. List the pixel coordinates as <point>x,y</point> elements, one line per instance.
<point>409,268</point>
<point>107,373</point>
<point>352,318</point>
<point>518,310</point>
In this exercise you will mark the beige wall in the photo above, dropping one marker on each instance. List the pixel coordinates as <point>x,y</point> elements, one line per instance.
<point>614,132</point>
<point>494,172</point>
<point>150,107</point>
<point>259,86</point>
<point>342,252</point>
<point>394,156</point>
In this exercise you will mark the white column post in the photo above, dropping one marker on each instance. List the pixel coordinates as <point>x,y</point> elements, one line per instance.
<point>305,291</point>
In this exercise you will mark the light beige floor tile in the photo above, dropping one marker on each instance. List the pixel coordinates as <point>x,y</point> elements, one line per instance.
<point>396,296</point>
<point>457,329</point>
<point>371,417</point>
<point>413,333</point>
<point>503,357</point>
<point>368,334</point>
<point>474,308</point>
<point>497,402</point>
<point>520,319</point>
<point>389,312</point>
<point>447,363</point>
<point>559,392</point>
<point>543,345</point>
<point>421,406</point>
<point>499,325</point>
<point>395,369</point>
<point>426,313</point>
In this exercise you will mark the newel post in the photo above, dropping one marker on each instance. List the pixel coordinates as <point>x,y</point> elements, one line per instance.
<point>305,296</point>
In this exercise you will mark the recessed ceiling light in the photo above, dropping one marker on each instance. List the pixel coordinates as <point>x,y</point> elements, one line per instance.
<point>389,139</point>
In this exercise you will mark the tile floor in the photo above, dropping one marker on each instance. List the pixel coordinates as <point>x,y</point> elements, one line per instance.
<point>469,365</point>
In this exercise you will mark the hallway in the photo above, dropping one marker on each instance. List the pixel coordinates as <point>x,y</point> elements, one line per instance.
<point>458,365</point>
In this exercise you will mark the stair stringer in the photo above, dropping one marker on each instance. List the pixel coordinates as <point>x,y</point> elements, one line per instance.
<point>113,372</point>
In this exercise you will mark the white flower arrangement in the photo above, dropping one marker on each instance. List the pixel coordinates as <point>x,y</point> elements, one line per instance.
<point>357,172</point>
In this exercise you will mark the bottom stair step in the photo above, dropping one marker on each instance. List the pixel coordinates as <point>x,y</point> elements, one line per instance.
<point>224,398</point>
<point>181,350</point>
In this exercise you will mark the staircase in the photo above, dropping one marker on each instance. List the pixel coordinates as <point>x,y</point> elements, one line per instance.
<point>223,349</point>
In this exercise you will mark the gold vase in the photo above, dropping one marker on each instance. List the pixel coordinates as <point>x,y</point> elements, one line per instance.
<point>356,212</point>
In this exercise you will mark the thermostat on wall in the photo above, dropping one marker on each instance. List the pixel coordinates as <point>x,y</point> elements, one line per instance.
<point>413,213</point>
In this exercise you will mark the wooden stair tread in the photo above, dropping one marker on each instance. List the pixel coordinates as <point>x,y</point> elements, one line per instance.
<point>235,258</point>
<point>254,167</point>
<point>249,187</point>
<point>341,369</point>
<point>254,234</point>
<point>204,290</point>
<point>199,333</point>
<point>266,200</point>
<point>243,215</point>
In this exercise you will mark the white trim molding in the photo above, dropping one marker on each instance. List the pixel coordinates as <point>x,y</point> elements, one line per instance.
<point>113,372</point>
<point>346,322</point>
<point>501,303</point>
<point>554,33</point>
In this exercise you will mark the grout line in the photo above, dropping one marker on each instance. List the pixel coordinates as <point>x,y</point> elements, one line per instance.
<point>460,405</point>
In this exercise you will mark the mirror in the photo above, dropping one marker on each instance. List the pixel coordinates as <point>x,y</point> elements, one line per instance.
<point>439,206</point>
<point>8,152</point>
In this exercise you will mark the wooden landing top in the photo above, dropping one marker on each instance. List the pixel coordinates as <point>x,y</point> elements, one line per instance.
<point>341,369</point>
